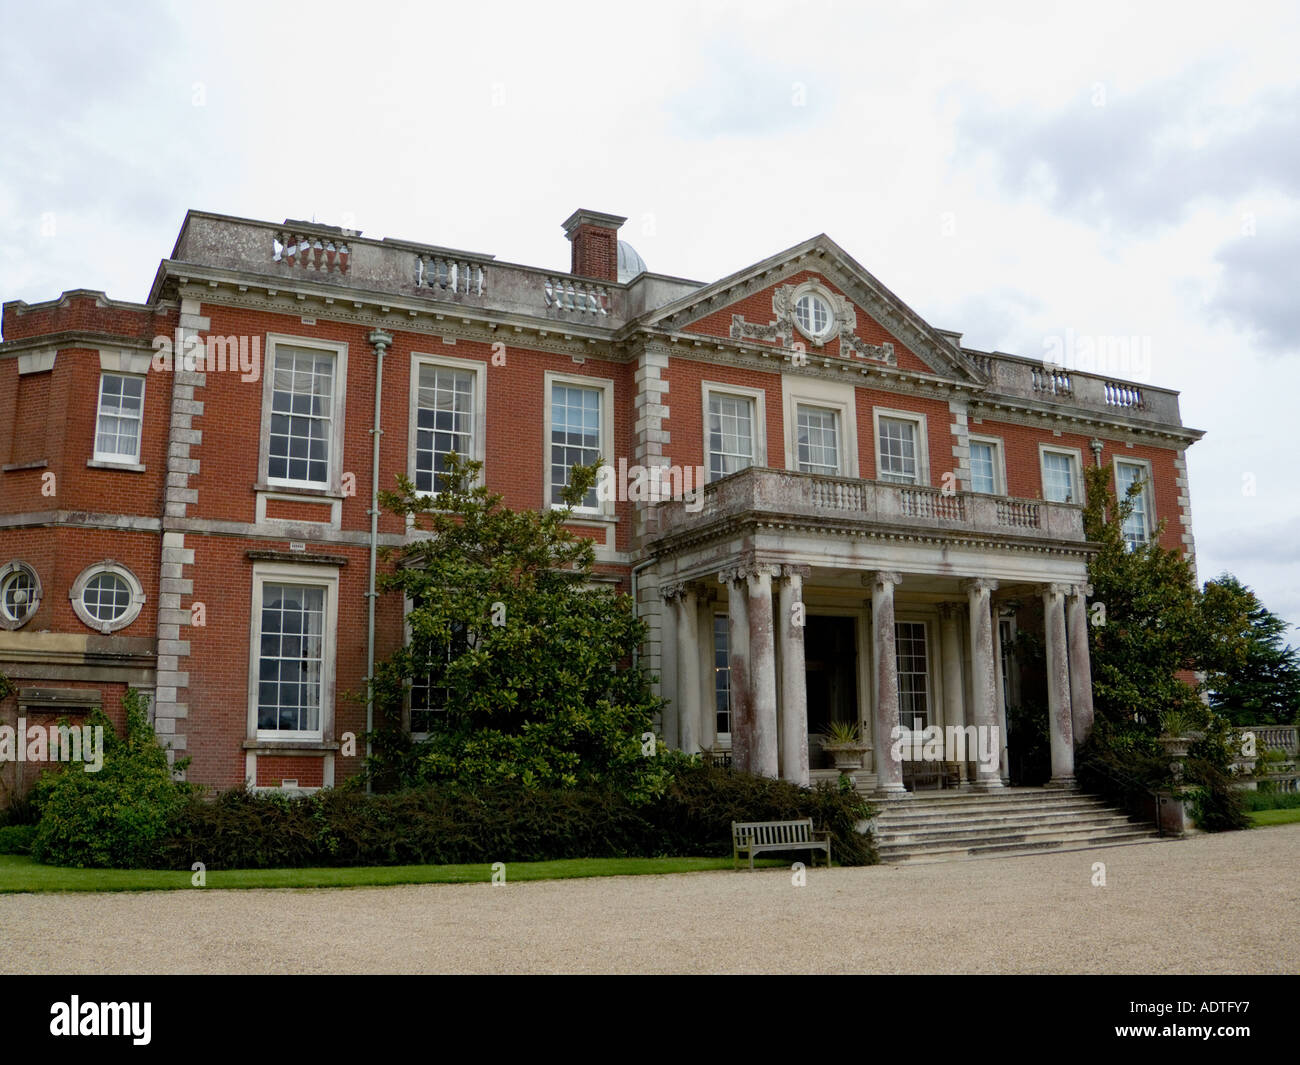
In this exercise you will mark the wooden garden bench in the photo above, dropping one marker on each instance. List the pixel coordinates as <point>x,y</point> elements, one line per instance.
<point>939,774</point>
<point>754,837</point>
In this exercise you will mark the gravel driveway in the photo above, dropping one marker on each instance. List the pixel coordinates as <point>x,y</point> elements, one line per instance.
<point>1210,904</point>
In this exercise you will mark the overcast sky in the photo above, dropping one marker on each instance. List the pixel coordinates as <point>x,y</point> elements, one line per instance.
<point>1016,172</point>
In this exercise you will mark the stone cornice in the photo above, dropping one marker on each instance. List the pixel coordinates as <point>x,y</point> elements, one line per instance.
<point>73,338</point>
<point>1037,414</point>
<point>735,527</point>
<point>405,313</point>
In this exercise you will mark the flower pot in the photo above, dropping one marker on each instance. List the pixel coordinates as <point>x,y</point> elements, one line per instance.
<point>846,756</point>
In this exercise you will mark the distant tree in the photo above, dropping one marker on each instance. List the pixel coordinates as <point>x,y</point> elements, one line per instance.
<point>519,663</point>
<point>1252,674</point>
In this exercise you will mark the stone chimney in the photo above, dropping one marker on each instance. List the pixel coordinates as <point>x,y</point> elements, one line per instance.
<point>594,237</point>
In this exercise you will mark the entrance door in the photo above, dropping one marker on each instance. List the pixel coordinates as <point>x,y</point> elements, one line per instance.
<point>831,664</point>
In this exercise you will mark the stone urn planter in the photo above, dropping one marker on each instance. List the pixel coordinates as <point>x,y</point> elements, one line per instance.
<point>1176,746</point>
<point>846,756</point>
<point>843,743</point>
<point>1177,736</point>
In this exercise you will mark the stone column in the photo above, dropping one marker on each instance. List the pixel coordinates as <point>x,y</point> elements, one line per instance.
<point>669,679</point>
<point>688,668</point>
<point>1059,716</point>
<point>742,702</point>
<point>794,688</point>
<point>954,701</point>
<point>704,659</point>
<point>889,770</point>
<point>762,673</point>
<point>1080,664</point>
<point>1000,699</point>
<point>983,680</point>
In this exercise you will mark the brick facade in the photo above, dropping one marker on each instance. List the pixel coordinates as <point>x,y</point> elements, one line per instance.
<point>193,519</point>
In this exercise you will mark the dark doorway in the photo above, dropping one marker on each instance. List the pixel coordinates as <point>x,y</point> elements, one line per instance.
<point>831,662</point>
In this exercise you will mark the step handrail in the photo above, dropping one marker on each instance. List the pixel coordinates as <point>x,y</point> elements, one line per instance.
<point>1121,777</point>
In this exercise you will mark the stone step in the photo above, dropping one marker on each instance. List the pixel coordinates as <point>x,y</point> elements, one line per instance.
<point>976,813</point>
<point>1012,795</point>
<point>1002,833</point>
<point>1023,827</point>
<point>1008,850</point>
<point>894,814</point>
<point>952,809</point>
<point>957,799</point>
<point>961,825</point>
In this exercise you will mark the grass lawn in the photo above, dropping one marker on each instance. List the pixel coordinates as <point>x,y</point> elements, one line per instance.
<point>1275,817</point>
<point>19,873</point>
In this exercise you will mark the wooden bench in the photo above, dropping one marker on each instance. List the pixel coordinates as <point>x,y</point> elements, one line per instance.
<point>754,837</point>
<point>939,774</point>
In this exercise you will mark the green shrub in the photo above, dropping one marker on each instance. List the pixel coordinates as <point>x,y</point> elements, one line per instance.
<point>445,823</point>
<point>1125,763</point>
<point>17,839</point>
<point>117,817</point>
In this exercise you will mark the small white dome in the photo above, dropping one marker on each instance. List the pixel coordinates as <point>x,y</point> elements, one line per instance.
<point>630,264</point>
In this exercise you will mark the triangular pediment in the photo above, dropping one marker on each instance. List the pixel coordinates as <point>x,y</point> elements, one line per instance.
<point>868,322</point>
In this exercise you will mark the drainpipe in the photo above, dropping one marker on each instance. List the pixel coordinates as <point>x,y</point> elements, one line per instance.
<point>379,340</point>
<point>636,606</point>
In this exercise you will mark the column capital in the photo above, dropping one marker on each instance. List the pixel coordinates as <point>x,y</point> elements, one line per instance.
<point>1056,588</point>
<point>979,584</point>
<point>1081,590</point>
<point>881,576</point>
<point>949,611</point>
<point>680,590</point>
<point>788,570</point>
<point>747,568</point>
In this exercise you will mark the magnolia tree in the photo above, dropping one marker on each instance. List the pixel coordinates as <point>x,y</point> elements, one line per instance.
<point>1147,624</point>
<point>519,664</point>
<point>1152,630</point>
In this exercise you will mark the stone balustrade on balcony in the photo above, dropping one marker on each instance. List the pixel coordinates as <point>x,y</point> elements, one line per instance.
<point>785,493</point>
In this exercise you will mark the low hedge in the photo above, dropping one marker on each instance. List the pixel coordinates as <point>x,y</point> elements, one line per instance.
<point>133,814</point>
<point>443,824</point>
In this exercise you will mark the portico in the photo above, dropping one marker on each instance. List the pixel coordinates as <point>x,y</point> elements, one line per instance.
<point>919,615</point>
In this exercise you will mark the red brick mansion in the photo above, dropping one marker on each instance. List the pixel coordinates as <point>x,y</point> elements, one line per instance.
<point>186,491</point>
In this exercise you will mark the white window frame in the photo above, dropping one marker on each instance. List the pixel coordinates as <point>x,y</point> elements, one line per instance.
<point>999,463</point>
<point>114,458</point>
<point>12,569</point>
<point>265,573</point>
<point>479,442</point>
<point>833,305</point>
<point>933,709</point>
<point>78,589</point>
<point>408,605</point>
<point>1010,668</point>
<point>603,508</point>
<point>811,392</point>
<point>722,739</point>
<point>333,485</point>
<point>1148,494</point>
<point>1076,470</point>
<point>922,443</point>
<point>758,435</point>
